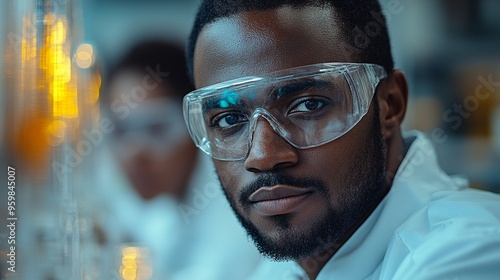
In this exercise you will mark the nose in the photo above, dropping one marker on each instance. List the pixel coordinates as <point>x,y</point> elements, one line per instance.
<point>268,150</point>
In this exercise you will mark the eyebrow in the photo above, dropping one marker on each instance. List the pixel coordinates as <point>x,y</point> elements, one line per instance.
<point>299,86</point>
<point>233,99</point>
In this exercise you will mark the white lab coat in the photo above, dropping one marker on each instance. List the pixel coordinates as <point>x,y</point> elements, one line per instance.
<point>429,226</point>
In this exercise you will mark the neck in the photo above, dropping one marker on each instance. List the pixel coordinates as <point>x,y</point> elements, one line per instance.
<point>313,265</point>
<point>396,152</point>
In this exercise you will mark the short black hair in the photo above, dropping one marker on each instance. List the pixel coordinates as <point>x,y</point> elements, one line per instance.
<point>168,57</point>
<point>363,25</point>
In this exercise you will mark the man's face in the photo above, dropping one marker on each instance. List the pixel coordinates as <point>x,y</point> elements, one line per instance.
<point>151,143</point>
<point>293,202</point>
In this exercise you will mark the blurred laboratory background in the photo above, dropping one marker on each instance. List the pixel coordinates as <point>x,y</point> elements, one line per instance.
<point>55,54</point>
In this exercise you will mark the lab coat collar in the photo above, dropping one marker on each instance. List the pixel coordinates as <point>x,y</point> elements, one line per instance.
<point>416,179</point>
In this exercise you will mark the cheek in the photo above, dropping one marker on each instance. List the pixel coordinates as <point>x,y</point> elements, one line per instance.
<point>230,175</point>
<point>332,167</point>
<point>332,160</point>
<point>340,162</point>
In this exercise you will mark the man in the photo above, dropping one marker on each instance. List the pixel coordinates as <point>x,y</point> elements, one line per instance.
<point>309,151</point>
<point>181,214</point>
<point>143,97</point>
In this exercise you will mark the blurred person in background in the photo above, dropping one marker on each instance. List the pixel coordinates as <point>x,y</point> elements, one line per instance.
<point>181,214</point>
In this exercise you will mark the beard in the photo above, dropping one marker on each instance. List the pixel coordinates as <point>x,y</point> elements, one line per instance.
<point>365,182</point>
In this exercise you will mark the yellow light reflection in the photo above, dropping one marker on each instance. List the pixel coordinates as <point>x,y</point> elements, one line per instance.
<point>51,96</point>
<point>59,33</point>
<point>56,62</point>
<point>135,264</point>
<point>94,88</point>
<point>84,56</point>
<point>130,251</point>
<point>129,261</point>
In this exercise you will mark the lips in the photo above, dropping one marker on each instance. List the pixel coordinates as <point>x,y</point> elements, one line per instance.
<point>278,200</point>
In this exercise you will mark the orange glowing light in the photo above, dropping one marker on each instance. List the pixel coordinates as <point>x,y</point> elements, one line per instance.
<point>134,264</point>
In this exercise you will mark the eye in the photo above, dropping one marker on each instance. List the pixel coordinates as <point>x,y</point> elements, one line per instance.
<point>308,105</point>
<point>228,120</point>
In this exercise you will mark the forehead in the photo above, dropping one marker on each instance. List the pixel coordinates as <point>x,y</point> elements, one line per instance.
<point>258,42</point>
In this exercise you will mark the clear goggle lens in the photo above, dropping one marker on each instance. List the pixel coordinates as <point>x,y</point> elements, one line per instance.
<point>307,106</point>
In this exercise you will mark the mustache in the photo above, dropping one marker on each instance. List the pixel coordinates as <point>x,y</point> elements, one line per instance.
<point>271,179</point>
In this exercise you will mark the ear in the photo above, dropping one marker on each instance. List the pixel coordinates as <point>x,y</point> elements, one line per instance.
<point>392,94</point>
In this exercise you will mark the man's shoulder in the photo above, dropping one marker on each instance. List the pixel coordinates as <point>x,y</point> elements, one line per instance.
<point>450,208</point>
<point>457,233</point>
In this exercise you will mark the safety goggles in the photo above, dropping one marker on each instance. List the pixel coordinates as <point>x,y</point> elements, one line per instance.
<point>154,125</point>
<point>307,106</point>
